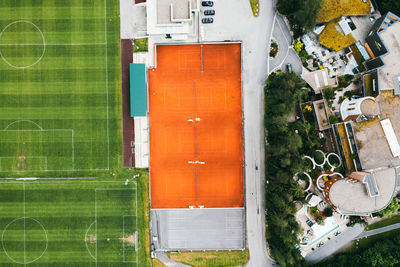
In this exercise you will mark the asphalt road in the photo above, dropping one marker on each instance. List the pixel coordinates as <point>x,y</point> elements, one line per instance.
<point>379,230</point>
<point>234,21</point>
<point>334,244</point>
<point>286,54</point>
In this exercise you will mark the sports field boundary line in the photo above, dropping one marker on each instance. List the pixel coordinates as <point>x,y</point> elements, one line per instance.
<point>47,44</point>
<point>95,214</point>
<point>56,180</point>
<point>24,225</point>
<point>108,123</point>
<point>230,208</point>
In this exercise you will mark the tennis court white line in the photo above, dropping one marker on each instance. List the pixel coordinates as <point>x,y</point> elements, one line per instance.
<point>70,44</point>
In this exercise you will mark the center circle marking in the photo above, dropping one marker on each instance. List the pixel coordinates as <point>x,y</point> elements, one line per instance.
<point>14,223</point>
<point>43,43</point>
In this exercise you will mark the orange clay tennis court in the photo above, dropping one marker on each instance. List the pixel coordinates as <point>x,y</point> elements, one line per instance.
<point>195,119</point>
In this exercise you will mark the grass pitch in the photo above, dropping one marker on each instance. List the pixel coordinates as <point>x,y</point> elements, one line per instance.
<point>59,87</point>
<point>53,223</point>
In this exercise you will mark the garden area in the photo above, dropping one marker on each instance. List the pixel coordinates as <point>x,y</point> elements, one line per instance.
<point>274,48</point>
<point>140,45</point>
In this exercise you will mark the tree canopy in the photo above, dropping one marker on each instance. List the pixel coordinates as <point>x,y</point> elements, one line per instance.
<point>383,252</point>
<point>282,92</point>
<point>302,13</point>
<point>393,207</point>
<point>389,5</point>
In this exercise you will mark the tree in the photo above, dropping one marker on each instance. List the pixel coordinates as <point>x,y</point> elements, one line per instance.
<point>327,212</point>
<point>282,92</point>
<point>301,13</point>
<point>393,207</point>
<point>329,92</point>
<point>389,5</point>
<point>333,119</point>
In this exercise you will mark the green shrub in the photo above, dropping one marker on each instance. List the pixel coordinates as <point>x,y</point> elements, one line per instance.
<point>333,119</point>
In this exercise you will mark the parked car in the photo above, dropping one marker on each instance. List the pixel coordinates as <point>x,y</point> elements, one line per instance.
<point>289,67</point>
<point>209,12</point>
<point>337,233</point>
<point>207,20</point>
<point>207,3</point>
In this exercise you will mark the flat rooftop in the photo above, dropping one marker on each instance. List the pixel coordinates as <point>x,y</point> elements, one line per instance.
<point>353,198</point>
<point>181,10</point>
<point>373,147</point>
<point>391,69</point>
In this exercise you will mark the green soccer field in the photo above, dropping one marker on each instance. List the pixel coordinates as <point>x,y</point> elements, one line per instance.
<point>53,223</point>
<point>59,87</point>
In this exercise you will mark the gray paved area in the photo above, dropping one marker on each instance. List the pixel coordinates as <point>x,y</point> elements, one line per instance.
<point>133,20</point>
<point>334,244</point>
<point>197,229</point>
<point>379,230</point>
<point>234,21</point>
<point>162,256</point>
<point>286,54</point>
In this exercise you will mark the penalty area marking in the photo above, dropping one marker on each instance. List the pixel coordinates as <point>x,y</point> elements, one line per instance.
<point>40,129</point>
<point>87,247</point>
<point>95,215</point>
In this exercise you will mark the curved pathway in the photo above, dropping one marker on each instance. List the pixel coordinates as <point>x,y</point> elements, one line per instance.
<point>286,54</point>
<point>379,230</point>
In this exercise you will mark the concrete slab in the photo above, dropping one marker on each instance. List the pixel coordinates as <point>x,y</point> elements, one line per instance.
<point>133,20</point>
<point>198,229</point>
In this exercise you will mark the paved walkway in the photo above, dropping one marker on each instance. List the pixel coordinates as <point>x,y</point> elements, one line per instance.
<point>286,54</point>
<point>333,245</point>
<point>162,256</point>
<point>378,231</point>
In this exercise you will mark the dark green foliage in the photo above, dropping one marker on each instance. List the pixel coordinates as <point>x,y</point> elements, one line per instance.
<point>389,5</point>
<point>333,119</point>
<point>354,220</point>
<point>393,207</point>
<point>327,212</point>
<point>349,94</point>
<point>302,13</point>
<point>345,80</point>
<point>383,252</point>
<point>329,93</point>
<point>284,160</point>
<point>273,49</point>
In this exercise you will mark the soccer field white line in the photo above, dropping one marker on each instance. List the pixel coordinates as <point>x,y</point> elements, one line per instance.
<point>123,231</point>
<point>106,77</point>
<point>45,130</point>
<point>44,157</point>
<point>24,225</point>
<point>105,34</point>
<point>47,44</point>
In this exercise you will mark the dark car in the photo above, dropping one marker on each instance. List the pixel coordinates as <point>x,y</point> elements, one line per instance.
<point>209,12</point>
<point>207,20</point>
<point>289,67</point>
<point>207,3</point>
